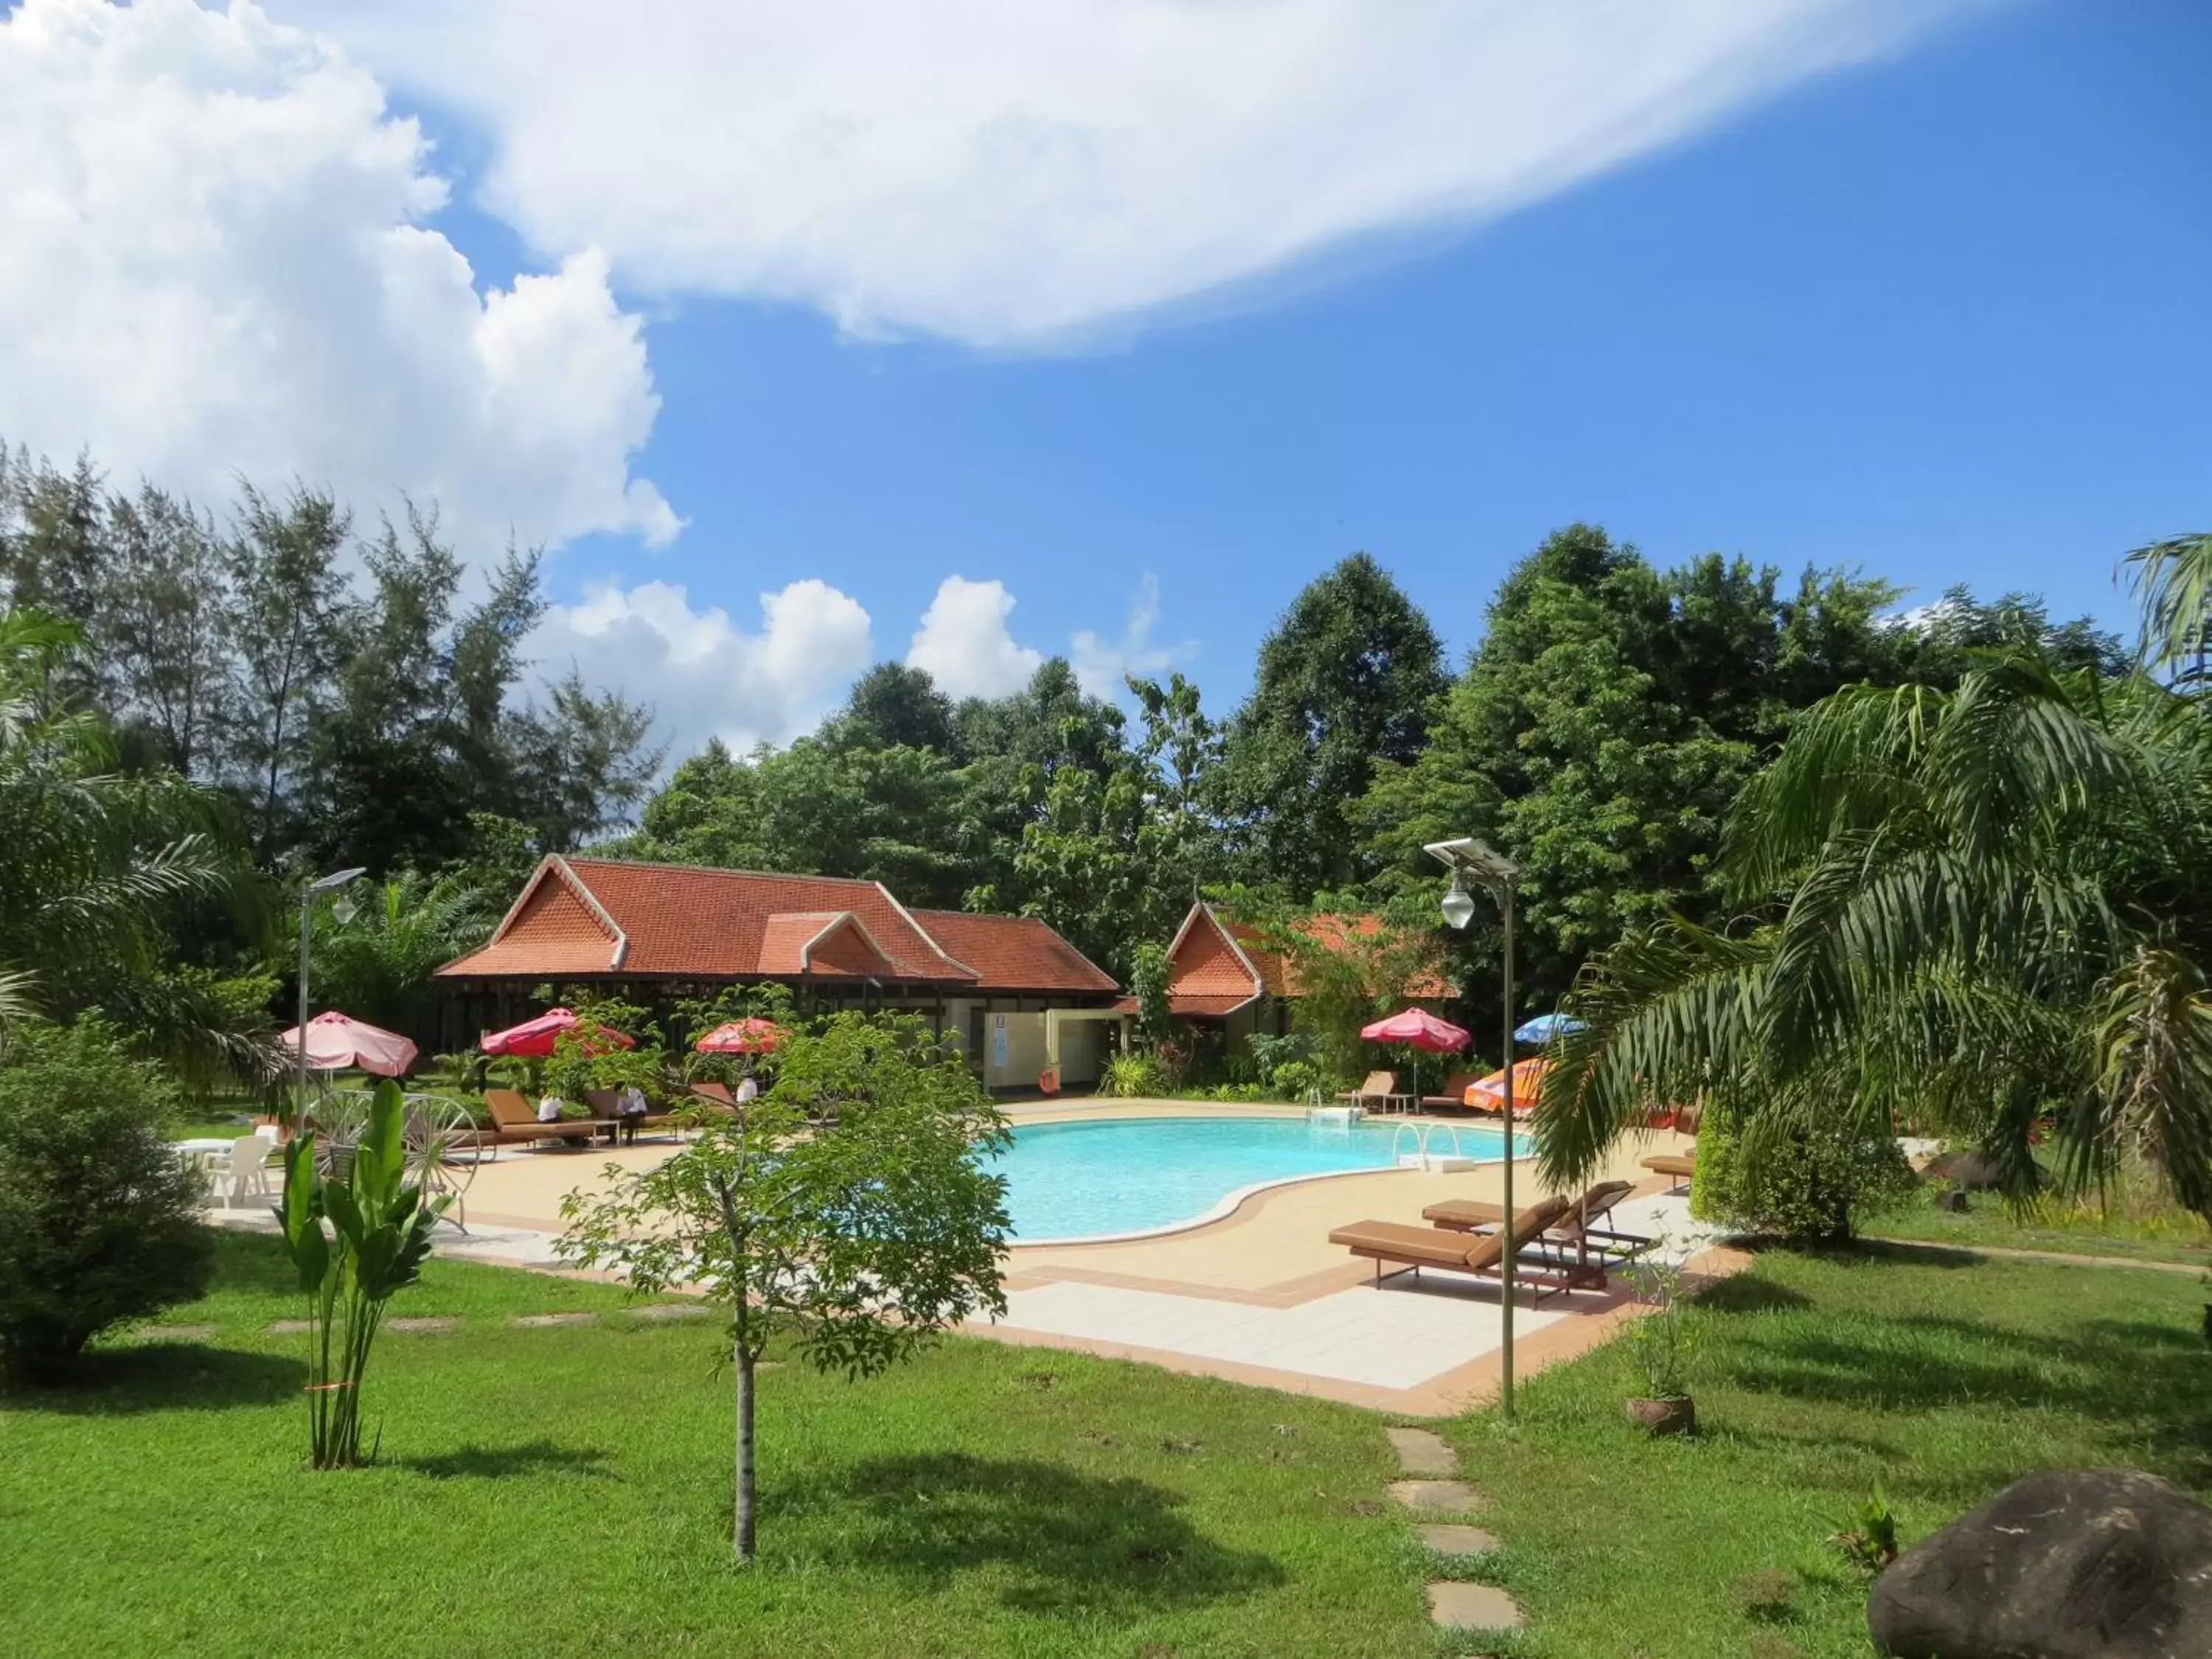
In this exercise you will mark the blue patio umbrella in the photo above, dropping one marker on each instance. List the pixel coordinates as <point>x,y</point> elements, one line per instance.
<point>1542,1029</point>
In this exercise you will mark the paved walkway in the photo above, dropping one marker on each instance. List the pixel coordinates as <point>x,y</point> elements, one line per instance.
<point>1258,1297</point>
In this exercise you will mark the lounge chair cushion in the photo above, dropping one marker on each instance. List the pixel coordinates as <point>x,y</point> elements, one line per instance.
<point>1394,1241</point>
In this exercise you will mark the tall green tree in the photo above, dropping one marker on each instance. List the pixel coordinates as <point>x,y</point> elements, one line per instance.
<point>1978,909</point>
<point>1345,682</point>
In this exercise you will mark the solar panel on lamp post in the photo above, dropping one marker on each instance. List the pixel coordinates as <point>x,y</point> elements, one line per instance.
<point>307,896</point>
<point>1469,859</point>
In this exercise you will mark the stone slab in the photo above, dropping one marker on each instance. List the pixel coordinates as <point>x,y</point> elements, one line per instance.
<point>289,1327</point>
<point>1420,1452</point>
<point>669,1310</point>
<point>423,1326</point>
<point>176,1333</point>
<point>1437,1496</point>
<point>1458,1605</point>
<point>1449,1539</point>
<point>546,1321</point>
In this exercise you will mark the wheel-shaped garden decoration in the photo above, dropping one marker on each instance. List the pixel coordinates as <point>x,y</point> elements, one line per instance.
<point>442,1149</point>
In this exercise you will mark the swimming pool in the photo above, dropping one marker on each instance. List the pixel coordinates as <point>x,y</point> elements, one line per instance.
<point>1132,1174</point>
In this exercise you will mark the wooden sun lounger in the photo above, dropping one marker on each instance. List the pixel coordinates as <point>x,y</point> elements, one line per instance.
<point>1455,1091</point>
<point>1412,1249</point>
<point>1574,1234</point>
<point>514,1123</point>
<point>1679,1165</point>
<point>1380,1089</point>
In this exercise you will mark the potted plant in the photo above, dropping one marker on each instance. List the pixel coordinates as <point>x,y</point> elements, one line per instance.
<point>1664,1342</point>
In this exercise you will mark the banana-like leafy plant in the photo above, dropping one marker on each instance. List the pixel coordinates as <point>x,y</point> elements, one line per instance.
<point>377,1235</point>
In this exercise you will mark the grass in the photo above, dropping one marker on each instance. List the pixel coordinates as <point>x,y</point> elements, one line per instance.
<point>565,1490</point>
<point>2131,1224</point>
<point>1945,1376</point>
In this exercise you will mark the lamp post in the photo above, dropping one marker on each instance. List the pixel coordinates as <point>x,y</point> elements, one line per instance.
<point>313,891</point>
<point>1471,859</point>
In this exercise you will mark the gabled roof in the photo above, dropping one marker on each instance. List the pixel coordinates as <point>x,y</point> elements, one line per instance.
<point>610,915</point>
<point>601,916</point>
<point>1216,965</point>
<point>1014,953</point>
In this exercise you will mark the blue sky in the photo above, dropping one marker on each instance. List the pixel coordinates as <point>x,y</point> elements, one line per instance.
<point>1949,318</point>
<point>1942,314</point>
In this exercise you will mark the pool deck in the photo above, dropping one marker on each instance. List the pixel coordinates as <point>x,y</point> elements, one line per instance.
<point>1258,1297</point>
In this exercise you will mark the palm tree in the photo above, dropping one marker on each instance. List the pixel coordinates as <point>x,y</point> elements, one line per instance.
<point>378,966</point>
<point>90,857</point>
<point>1980,911</point>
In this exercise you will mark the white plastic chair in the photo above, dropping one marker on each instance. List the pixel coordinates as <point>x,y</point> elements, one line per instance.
<point>245,1171</point>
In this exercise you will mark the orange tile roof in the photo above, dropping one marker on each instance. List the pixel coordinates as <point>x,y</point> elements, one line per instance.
<point>1014,953</point>
<point>1215,957</point>
<point>605,917</point>
<point>1188,1004</point>
<point>682,921</point>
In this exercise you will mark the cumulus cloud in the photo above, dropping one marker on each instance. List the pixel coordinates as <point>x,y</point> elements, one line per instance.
<point>1006,173</point>
<point>218,260</point>
<point>704,676</point>
<point>965,645</point>
<point>1101,666</point>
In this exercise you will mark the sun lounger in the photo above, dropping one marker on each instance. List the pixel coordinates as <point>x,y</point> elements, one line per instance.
<point>1412,1249</point>
<point>1575,1235</point>
<point>1379,1092</point>
<point>1455,1091</point>
<point>1680,1166</point>
<point>514,1124</point>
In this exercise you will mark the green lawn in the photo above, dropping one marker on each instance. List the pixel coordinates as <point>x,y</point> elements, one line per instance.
<point>565,1490</point>
<point>1944,1376</point>
<point>2153,1231</point>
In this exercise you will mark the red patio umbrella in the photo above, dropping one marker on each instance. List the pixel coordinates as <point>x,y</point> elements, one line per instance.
<point>335,1041</point>
<point>1419,1029</point>
<point>741,1036</point>
<point>533,1038</point>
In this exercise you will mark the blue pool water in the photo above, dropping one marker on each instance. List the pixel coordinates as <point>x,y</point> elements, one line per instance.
<point>1129,1174</point>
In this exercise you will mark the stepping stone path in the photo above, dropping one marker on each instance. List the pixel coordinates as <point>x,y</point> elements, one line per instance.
<point>1420,1452</point>
<point>1449,1540</point>
<point>1437,1497</point>
<point>1454,1604</point>
<point>177,1333</point>
<point>1459,1605</point>
<point>671,1310</point>
<point>434,1327</point>
<point>540,1322</point>
<point>288,1327</point>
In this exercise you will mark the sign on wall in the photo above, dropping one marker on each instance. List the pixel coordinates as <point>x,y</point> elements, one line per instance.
<point>999,1043</point>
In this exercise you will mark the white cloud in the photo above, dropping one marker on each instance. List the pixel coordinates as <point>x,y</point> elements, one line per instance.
<point>1004,172</point>
<point>704,676</point>
<point>1101,666</point>
<point>217,261</point>
<point>965,645</point>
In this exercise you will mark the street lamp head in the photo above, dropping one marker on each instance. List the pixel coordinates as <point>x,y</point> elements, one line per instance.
<point>1468,856</point>
<point>337,879</point>
<point>1458,904</point>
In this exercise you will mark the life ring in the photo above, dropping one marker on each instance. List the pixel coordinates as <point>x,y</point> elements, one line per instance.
<point>1049,1080</point>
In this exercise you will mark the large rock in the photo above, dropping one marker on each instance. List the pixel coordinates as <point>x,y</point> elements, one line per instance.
<point>1968,1170</point>
<point>2090,1564</point>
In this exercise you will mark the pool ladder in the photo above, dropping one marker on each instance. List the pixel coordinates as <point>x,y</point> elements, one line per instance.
<point>1423,1158</point>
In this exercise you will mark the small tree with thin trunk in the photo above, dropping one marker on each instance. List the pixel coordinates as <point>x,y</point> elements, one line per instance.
<point>849,1208</point>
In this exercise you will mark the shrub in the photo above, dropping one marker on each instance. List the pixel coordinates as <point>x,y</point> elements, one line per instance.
<point>1792,1179</point>
<point>1133,1077</point>
<point>99,1219</point>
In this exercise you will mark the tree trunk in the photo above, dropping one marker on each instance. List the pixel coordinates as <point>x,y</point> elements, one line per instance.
<point>742,1535</point>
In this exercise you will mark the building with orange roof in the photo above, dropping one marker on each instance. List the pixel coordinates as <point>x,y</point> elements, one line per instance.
<point>1017,994</point>
<point>1223,976</point>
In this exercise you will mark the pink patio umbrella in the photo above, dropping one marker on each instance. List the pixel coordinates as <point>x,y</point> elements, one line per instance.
<point>1419,1029</point>
<point>533,1039</point>
<point>335,1041</point>
<point>741,1036</point>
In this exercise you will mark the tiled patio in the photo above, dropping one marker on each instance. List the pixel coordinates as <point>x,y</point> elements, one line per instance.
<point>1258,1297</point>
